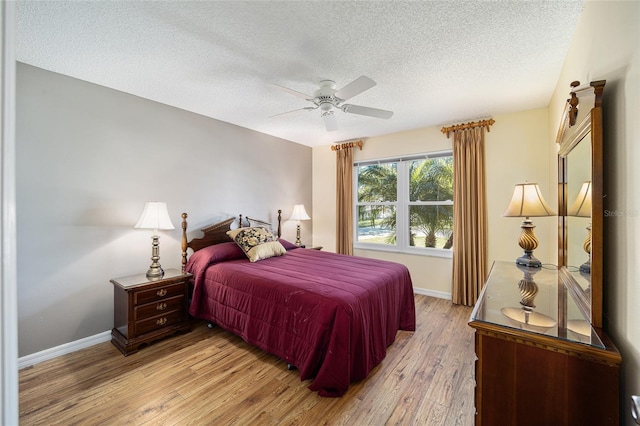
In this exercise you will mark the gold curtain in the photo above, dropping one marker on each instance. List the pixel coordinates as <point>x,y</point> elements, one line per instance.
<point>470,214</point>
<point>344,196</point>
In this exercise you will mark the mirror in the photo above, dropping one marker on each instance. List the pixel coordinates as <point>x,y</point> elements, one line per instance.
<point>580,199</point>
<point>578,211</point>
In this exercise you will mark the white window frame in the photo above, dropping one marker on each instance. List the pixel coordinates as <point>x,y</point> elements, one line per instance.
<point>401,204</point>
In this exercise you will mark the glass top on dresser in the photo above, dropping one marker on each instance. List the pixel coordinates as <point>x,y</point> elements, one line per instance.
<point>532,300</point>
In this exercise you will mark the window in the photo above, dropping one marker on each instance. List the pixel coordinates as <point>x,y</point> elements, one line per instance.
<point>405,204</point>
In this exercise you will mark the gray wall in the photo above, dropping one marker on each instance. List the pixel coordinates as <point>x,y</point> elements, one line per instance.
<point>88,158</point>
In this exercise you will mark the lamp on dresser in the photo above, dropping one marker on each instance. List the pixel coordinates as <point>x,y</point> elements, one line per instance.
<point>527,201</point>
<point>581,207</point>
<point>299,213</point>
<point>155,216</point>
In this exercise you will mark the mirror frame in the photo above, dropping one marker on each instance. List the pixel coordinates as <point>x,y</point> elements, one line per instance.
<point>583,116</point>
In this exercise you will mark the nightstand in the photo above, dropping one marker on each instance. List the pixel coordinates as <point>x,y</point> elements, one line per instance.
<point>315,248</point>
<point>147,310</point>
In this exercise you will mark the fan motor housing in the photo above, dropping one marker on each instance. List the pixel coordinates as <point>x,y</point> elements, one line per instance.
<point>324,96</point>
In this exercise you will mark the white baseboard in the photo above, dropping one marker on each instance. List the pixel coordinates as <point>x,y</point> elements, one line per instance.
<point>67,348</point>
<point>432,293</point>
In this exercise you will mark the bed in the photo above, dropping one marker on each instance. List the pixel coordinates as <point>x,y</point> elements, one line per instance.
<point>331,316</point>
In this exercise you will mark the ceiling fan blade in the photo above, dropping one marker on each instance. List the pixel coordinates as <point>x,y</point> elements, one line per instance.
<point>330,121</point>
<point>292,112</point>
<point>371,112</point>
<point>354,88</point>
<point>293,92</point>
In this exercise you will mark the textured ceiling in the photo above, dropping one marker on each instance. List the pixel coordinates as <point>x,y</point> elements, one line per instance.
<point>435,62</point>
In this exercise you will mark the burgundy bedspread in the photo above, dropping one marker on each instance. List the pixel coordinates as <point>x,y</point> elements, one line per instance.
<point>332,316</point>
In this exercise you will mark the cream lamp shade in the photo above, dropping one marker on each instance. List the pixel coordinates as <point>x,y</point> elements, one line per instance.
<point>581,207</point>
<point>298,214</point>
<point>155,216</point>
<point>527,201</point>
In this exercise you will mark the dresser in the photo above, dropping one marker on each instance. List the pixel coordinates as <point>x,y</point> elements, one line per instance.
<point>146,310</point>
<point>539,361</point>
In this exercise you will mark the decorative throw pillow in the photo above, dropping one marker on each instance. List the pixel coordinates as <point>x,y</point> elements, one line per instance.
<point>257,243</point>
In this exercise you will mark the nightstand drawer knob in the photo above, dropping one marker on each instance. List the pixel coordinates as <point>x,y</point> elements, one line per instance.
<point>161,321</point>
<point>162,292</point>
<point>161,306</point>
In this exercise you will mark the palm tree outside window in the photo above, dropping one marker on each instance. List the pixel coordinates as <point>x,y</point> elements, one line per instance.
<point>405,204</point>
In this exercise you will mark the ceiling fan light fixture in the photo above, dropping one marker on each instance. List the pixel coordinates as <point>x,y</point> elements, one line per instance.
<point>330,121</point>
<point>326,107</point>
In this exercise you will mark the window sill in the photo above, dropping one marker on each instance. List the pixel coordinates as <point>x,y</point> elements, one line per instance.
<point>429,252</point>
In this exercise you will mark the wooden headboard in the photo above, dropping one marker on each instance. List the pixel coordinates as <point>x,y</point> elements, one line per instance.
<point>217,233</point>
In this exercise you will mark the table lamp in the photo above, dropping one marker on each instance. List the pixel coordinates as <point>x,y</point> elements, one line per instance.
<point>527,201</point>
<point>155,216</point>
<point>299,213</point>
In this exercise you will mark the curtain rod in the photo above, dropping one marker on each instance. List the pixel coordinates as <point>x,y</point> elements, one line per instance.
<point>346,145</point>
<point>471,125</point>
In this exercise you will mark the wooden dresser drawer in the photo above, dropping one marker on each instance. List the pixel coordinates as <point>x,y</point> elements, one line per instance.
<point>159,307</point>
<point>145,296</point>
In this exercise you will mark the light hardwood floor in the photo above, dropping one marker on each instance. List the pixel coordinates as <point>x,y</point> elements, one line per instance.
<point>211,377</point>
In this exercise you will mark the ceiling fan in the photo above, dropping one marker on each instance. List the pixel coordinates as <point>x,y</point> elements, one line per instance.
<point>327,98</point>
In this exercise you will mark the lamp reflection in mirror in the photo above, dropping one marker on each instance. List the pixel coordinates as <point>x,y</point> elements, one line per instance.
<point>299,213</point>
<point>527,201</point>
<point>581,207</point>
<point>155,216</point>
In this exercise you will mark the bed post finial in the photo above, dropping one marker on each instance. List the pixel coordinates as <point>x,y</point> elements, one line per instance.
<point>184,241</point>
<point>279,223</point>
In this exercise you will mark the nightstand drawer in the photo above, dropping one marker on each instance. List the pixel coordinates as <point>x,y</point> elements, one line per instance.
<point>158,322</point>
<point>159,307</point>
<point>158,293</point>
